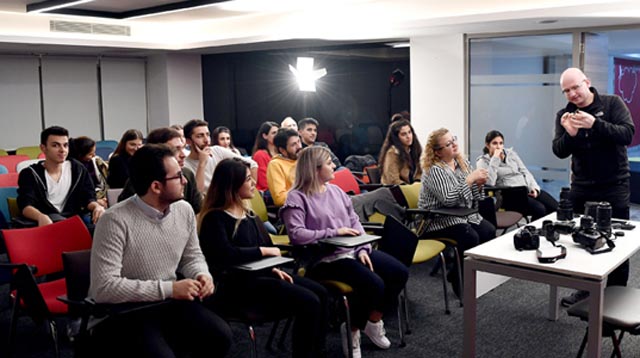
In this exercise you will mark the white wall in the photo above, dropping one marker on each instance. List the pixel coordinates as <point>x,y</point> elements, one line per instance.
<point>437,85</point>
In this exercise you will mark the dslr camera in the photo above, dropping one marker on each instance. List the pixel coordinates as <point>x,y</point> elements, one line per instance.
<point>527,238</point>
<point>589,235</point>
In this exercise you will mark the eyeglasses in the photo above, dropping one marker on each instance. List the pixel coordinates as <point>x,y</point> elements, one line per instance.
<point>180,175</point>
<point>453,140</point>
<point>573,88</point>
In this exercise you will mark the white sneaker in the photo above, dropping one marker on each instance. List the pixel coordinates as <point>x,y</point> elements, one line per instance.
<point>355,339</point>
<point>377,334</point>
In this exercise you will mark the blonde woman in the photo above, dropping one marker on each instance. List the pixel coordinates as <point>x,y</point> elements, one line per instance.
<point>314,210</point>
<point>448,181</point>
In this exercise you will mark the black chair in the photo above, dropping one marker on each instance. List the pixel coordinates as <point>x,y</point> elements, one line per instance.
<point>510,205</point>
<point>619,313</point>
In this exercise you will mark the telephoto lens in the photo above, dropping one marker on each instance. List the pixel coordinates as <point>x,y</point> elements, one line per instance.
<point>565,207</point>
<point>603,217</point>
<point>586,223</point>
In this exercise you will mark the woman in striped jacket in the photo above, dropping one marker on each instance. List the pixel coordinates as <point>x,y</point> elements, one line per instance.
<point>448,181</point>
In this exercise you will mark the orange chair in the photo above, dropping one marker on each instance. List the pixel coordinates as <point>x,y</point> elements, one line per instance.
<point>11,161</point>
<point>8,180</point>
<point>41,249</point>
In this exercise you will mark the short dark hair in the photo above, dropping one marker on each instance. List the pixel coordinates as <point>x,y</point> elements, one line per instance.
<point>80,147</point>
<point>304,122</point>
<point>191,125</point>
<point>162,135</point>
<point>53,130</point>
<point>147,166</point>
<point>282,137</point>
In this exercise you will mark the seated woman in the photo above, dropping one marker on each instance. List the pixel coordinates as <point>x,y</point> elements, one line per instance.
<point>314,210</point>
<point>119,162</point>
<point>222,136</point>
<point>505,168</point>
<point>263,151</point>
<point>400,155</point>
<point>83,149</point>
<point>230,235</point>
<point>448,181</point>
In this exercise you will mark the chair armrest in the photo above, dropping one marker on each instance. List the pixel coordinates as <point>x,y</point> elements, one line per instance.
<point>454,211</point>
<point>376,228</point>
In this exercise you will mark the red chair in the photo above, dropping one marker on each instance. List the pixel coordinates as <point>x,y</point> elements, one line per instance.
<point>8,180</point>
<point>11,161</point>
<point>41,249</point>
<point>346,181</point>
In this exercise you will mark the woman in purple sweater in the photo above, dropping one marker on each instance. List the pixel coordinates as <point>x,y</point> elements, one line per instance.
<point>315,210</point>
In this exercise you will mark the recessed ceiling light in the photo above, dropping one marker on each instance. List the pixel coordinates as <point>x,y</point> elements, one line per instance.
<point>545,22</point>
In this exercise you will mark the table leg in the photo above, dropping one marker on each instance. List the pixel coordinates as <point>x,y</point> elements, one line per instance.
<point>470,307</point>
<point>554,304</point>
<point>594,344</point>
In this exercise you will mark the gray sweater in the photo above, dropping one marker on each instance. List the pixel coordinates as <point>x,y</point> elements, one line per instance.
<point>510,172</point>
<point>134,257</point>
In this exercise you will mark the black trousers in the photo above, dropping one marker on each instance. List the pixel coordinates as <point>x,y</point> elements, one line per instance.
<point>372,290</point>
<point>618,195</point>
<point>172,329</point>
<point>271,298</point>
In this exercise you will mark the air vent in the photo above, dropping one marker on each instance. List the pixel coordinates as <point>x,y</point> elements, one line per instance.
<point>89,28</point>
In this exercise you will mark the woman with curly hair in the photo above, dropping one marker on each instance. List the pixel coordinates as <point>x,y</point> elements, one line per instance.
<point>400,155</point>
<point>448,181</point>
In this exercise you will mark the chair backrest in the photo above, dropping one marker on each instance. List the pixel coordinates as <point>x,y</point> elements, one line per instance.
<point>3,152</point>
<point>26,289</point>
<point>104,152</point>
<point>25,163</point>
<point>31,151</point>
<point>107,143</point>
<point>5,193</point>
<point>398,241</point>
<point>12,203</point>
<point>11,161</point>
<point>411,194</point>
<point>9,179</point>
<point>374,174</point>
<point>346,181</point>
<point>3,169</point>
<point>112,195</point>
<point>43,246</point>
<point>259,207</point>
<point>77,274</point>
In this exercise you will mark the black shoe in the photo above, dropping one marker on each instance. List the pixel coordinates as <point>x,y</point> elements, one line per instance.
<point>574,298</point>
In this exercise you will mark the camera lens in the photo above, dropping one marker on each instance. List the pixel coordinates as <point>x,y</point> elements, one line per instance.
<point>603,217</point>
<point>586,222</point>
<point>564,193</point>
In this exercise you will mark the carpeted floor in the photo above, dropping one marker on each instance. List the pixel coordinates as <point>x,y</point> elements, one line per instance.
<point>511,323</point>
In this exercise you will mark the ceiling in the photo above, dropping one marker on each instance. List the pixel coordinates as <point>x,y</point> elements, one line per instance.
<point>212,26</point>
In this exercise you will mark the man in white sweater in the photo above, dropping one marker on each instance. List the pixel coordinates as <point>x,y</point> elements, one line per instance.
<point>139,246</point>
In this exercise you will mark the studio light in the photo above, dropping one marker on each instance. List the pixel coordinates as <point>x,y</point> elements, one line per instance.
<point>306,75</point>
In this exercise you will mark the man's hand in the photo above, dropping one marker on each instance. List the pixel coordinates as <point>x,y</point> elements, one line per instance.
<point>203,154</point>
<point>347,231</point>
<point>186,289</point>
<point>365,259</point>
<point>567,123</point>
<point>207,286</point>
<point>282,275</point>
<point>582,119</point>
<point>44,220</point>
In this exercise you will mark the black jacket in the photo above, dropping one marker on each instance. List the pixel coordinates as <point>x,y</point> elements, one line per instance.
<point>32,190</point>
<point>599,154</point>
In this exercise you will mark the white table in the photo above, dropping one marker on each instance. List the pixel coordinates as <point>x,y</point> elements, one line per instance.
<point>579,270</point>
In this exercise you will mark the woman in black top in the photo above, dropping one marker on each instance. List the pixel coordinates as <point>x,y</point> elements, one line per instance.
<point>119,162</point>
<point>230,234</point>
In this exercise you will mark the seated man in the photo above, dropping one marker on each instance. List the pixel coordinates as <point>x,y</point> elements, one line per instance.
<point>308,129</point>
<point>281,169</point>
<point>58,187</point>
<point>139,248</point>
<point>203,159</point>
<point>289,122</point>
<point>175,141</point>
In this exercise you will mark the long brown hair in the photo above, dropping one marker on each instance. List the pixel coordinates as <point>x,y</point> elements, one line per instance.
<point>412,157</point>
<point>430,157</point>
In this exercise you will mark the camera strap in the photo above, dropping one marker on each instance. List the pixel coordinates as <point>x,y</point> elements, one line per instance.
<point>551,259</point>
<point>610,246</point>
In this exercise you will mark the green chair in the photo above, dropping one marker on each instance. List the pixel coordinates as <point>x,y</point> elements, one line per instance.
<point>31,151</point>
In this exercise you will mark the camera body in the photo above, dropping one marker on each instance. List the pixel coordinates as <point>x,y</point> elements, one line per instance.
<point>527,238</point>
<point>588,235</point>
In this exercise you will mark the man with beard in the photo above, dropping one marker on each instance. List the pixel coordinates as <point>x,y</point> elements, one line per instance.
<point>204,158</point>
<point>281,169</point>
<point>140,247</point>
<point>58,187</point>
<point>595,129</point>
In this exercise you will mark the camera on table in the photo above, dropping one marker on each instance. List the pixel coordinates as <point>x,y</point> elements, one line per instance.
<point>587,235</point>
<point>527,238</point>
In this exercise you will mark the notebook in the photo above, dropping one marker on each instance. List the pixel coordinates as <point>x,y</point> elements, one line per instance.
<point>350,241</point>
<point>264,263</point>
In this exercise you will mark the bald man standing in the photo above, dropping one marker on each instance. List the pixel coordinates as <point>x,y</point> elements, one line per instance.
<point>595,129</point>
